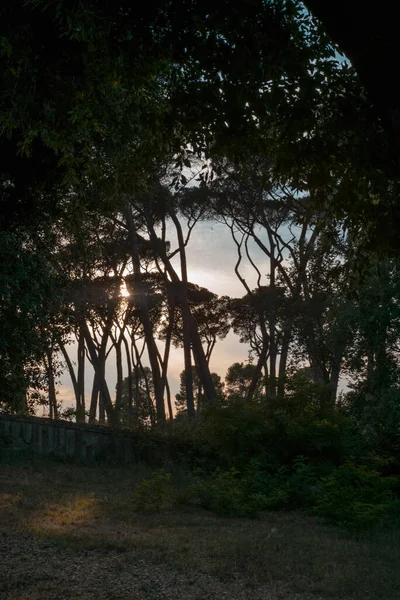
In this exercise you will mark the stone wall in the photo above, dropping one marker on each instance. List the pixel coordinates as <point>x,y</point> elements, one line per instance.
<point>68,440</point>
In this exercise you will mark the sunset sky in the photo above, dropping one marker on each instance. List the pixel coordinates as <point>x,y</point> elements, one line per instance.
<point>211,256</point>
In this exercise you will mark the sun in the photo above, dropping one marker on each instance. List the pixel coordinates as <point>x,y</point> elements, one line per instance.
<point>123,290</point>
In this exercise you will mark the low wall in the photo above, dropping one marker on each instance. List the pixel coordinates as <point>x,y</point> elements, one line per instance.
<point>68,440</point>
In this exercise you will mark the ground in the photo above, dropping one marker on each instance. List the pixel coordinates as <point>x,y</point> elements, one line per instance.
<point>70,532</point>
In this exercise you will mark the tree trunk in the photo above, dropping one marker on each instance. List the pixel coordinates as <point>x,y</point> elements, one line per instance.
<point>129,408</point>
<point>335,374</point>
<point>135,371</point>
<point>140,368</point>
<point>120,382</point>
<point>102,409</point>
<point>198,351</point>
<point>257,373</point>
<point>144,314</point>
<point>164,379</point>
<point>71,371</point>
<point>191,411</point>
<point>283,361</point>
<point>273,351</point>
<point>169,402</point>
<point>94,400</point>
<point>80,405</point>
<point>98,366</point>
<point>202,365</point>
<point>185,309</point>
<point>53,413</point>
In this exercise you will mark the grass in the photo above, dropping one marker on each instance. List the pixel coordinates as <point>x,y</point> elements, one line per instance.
<point>83,517</point>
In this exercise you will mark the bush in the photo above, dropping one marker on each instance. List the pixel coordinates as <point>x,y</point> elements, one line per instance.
<point>234,494</point>
<point>355,497</point>
<point>229,494</point>
<point>243,458</point>
<point>152,493</point>
<point>221,493</point>
<point>240,433</point>
<point>350,496</point>
<point>236,433</point>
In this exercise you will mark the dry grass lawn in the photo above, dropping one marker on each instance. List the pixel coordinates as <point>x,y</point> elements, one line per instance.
<point>71,532</point>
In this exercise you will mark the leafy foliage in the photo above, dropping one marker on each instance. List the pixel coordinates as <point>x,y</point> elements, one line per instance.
<point>180,397</point>
<point>356,497</point>
<point>151,493</point>
<point>30,315</point>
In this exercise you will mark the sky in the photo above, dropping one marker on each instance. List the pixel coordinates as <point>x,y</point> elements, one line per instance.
<point>211,258</point>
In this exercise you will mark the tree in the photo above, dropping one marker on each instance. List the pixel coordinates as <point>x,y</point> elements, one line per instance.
<point>200,399</point>
<point>30,316</point>
<point>211,315</point>
<point>139,386</point>
<point>373,353</point>
<point>239,378</point>
<point>112,79</point>
<point>159,201</point>
<point>103,112</point>
<point>322,312</point>
<point>367,39</point>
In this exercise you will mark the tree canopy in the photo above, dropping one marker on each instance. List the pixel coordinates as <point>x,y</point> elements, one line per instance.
<point>123,127</point>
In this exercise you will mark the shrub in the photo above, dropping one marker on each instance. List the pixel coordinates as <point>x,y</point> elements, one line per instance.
<point>221,493</point>
<point>236,433</point>
<point>240,433</point>
<point>152,493</point>
<point>228,494</point>
<point>355,497</point>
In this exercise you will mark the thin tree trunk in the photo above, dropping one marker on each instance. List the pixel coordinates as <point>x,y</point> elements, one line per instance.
<point>94,400</point>
<point>169,402</point>
<point>98,366</point>
<point>102,409</point>
<point>335,374</point>
<point>80,405</point>
<point>130,384</point>
<point>283,361</point>
<point>198,351</point>
<point>81,378</point>
<point>140,367</point>
<point>191,411</point>
<point>272,374</point>
<point>202,364</point>
<point>168,338</point>
<point>120,376</point>
<point>102,356</point>
<point>257,373</point>
<point>187,334</point>
<point>51,384</point>
<point>144,313</point>
<point>70,371</point>
<point>273,351</point>
<point>137,393</point>
<point>210,348</point>
<point>266,378</point>
<point>263,327</point>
